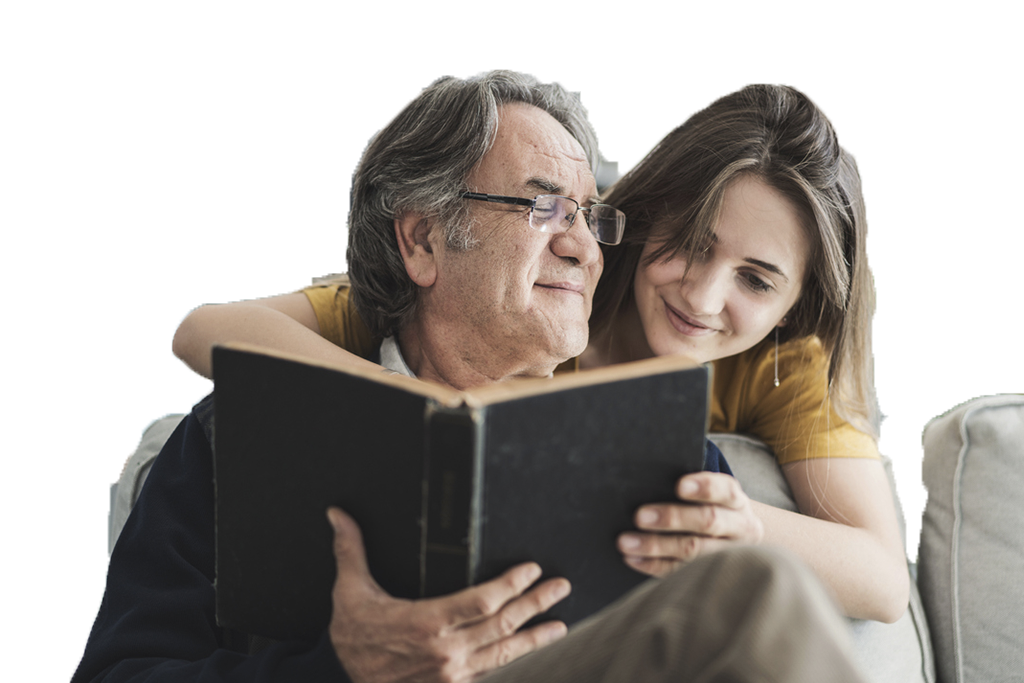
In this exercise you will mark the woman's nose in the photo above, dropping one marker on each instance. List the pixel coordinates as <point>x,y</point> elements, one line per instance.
<point>704,288</point>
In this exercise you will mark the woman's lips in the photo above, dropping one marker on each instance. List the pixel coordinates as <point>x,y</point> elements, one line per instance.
<point>687,325</point>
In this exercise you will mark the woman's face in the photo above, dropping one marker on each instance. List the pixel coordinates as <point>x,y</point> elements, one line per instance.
<point>742,287</point>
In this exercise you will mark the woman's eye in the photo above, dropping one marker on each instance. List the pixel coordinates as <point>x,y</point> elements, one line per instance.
<point>756,283</point>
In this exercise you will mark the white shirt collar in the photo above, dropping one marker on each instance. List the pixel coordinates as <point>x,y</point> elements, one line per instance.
<point>391,358</point>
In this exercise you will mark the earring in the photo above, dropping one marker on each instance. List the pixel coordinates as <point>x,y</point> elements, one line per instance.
<point>777,355</point>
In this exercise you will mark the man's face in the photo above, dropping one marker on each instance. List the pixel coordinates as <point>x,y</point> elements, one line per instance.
<point>521,296</point>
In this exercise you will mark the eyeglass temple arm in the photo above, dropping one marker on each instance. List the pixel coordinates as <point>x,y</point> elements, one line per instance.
<point>498,199</point>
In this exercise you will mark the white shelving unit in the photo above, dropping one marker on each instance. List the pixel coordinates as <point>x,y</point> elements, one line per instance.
<point>132,253</point>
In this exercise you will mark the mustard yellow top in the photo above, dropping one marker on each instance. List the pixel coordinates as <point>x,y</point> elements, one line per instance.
<point>339,322</point>
<point>794,419</point>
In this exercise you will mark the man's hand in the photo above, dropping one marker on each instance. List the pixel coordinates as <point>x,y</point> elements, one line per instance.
<point>452,638</point>
<point>717,514</point>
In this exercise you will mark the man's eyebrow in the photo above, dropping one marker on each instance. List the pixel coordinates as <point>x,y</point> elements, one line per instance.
<point>545,186</point>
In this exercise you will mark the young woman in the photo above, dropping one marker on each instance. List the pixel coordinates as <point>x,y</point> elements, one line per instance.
<point>745,248</point>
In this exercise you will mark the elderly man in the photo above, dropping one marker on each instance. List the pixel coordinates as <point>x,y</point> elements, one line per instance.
<point>473,285</point>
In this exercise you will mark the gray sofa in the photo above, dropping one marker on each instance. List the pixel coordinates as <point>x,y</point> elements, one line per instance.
<point>965,622</point>
<point>971,558</point>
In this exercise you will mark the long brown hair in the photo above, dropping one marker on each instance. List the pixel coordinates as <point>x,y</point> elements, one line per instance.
<point>778,135</point>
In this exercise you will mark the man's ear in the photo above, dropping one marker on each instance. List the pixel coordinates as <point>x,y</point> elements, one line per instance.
<point>413,234</point>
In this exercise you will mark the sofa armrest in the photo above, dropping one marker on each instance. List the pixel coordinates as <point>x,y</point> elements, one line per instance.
<point>971,558</point>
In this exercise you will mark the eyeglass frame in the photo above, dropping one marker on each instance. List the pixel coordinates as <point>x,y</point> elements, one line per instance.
<point>532,203</point>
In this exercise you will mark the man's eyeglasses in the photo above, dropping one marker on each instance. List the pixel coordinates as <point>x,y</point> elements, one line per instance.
<point>555,214</point>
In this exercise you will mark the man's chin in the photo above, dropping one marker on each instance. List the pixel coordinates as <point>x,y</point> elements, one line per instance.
<point>572,344</point>
<point>543,344</point>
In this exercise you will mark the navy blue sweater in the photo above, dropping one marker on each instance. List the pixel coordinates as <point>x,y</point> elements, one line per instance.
<point>156,621</point>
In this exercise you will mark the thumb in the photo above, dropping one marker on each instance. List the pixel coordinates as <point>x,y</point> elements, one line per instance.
<point>350,555</point>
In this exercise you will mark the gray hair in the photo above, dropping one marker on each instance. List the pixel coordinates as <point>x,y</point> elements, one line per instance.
<point>419,164</point>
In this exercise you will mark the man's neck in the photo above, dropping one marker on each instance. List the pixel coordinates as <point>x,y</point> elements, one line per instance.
<point>447,359</point>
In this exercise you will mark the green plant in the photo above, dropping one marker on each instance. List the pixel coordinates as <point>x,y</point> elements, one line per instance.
<point>967,271</point>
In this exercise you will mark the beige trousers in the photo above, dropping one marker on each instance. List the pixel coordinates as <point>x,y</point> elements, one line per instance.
<point>746,614</point>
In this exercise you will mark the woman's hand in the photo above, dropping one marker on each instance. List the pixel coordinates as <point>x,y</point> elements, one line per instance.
<point>715,514</point>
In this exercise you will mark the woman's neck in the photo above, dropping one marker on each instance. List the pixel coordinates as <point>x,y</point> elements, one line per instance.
<point>623,341</point>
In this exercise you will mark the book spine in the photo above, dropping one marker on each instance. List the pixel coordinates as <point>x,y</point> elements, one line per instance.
<point>452,436</point>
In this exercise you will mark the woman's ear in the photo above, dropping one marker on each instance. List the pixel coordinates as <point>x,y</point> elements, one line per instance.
<point>413,234</point>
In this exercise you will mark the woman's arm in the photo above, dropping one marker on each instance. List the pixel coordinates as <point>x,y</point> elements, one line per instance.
<point>284,323</point>
<point>846,530</point>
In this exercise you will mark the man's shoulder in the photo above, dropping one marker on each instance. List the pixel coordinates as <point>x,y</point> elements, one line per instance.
<point>203,413</point>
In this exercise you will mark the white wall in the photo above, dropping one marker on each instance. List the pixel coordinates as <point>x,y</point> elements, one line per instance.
<point>862,103</point>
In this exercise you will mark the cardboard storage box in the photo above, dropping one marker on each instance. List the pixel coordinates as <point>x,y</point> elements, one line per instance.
<point>206,139</point>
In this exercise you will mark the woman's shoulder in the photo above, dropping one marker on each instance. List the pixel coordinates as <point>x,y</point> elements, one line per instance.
<point>781,396</point>
<point>326,290</point>
<point>337,316</point>
<point>810,345</point>
<point>756,367</point>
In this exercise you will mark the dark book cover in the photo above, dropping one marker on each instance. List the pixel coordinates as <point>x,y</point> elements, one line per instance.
<point>449,488</point>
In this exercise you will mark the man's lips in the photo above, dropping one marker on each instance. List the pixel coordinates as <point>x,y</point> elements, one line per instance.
<point>684,324</point>
<point>576,287</point>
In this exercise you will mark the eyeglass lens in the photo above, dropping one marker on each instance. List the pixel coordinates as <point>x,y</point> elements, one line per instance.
<point>554,213</point>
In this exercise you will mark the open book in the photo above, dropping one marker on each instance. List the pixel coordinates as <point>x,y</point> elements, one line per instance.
<point>450,488</point>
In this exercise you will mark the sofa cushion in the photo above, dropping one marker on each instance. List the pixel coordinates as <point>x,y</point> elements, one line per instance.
<point>888,653</point>
<point>971,558</point>
<point>125,491</point>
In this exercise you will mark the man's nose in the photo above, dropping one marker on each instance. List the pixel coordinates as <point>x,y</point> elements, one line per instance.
<point>577,243</point>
